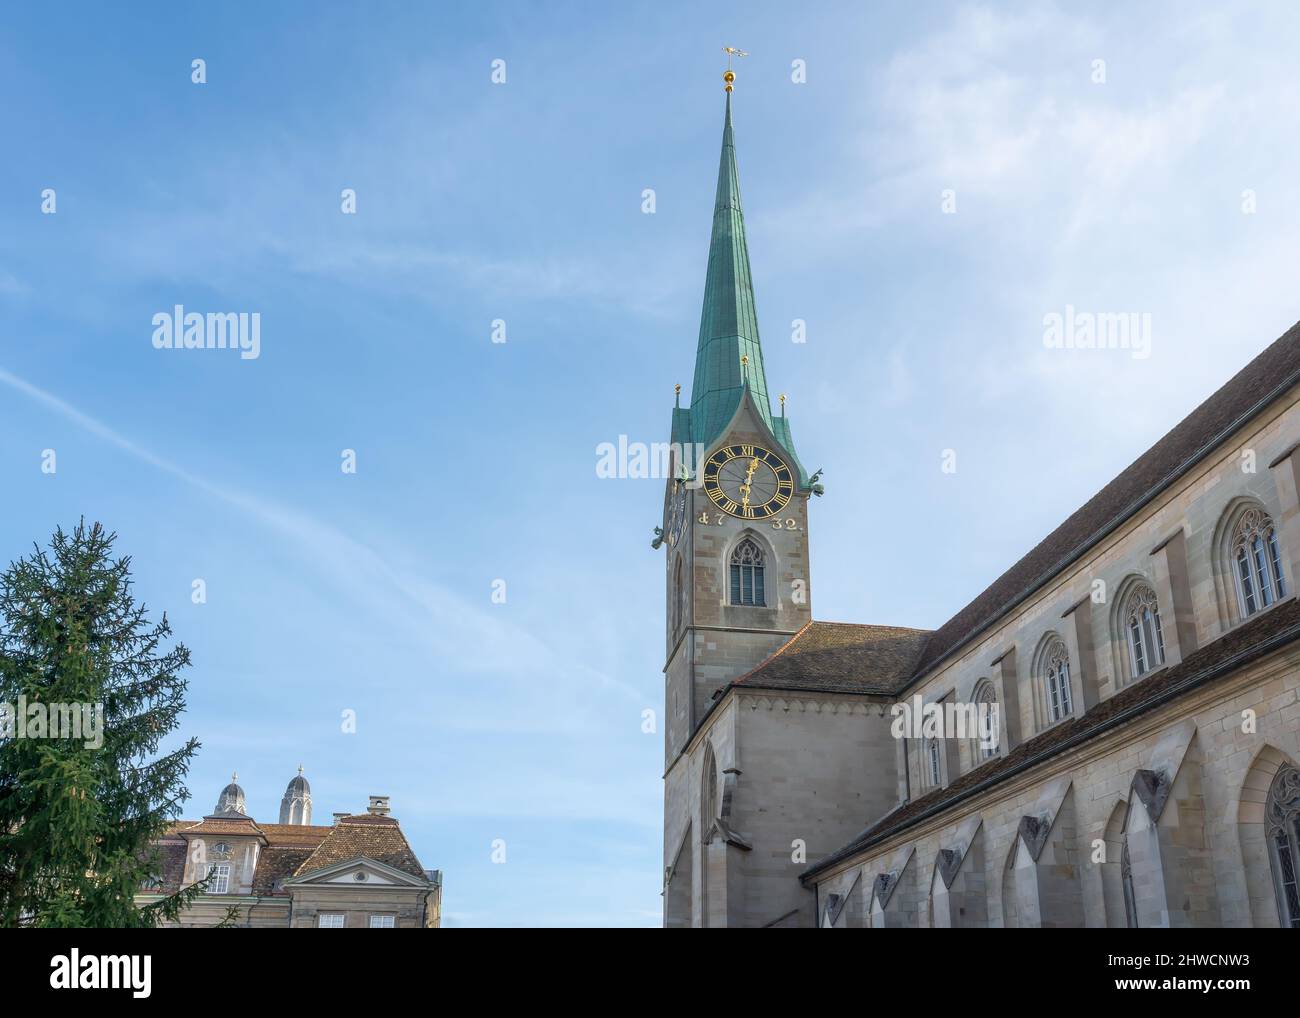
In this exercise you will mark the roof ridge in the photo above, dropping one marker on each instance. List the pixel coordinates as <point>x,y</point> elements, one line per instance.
<point>872,625</point>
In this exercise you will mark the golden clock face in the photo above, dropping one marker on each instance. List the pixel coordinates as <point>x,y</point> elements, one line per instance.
<point>748,481</point>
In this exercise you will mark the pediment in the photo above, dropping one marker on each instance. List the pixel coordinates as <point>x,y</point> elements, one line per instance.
<point>359,872</point>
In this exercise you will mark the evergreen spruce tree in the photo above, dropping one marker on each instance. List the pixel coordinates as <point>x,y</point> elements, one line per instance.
<point>77,822</point>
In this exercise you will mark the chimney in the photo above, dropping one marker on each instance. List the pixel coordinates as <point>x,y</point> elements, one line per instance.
<point>378,805</point>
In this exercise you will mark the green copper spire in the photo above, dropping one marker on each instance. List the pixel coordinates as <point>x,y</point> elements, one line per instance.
<point>728,356</point>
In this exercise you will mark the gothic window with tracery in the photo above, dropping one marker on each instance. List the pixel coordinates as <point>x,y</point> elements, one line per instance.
<point>1282,829</point>
<point>1146,642</point>
<point>1056,680</point>
<point>935,763</point>
<point>708,793</point>
<point>747,565</point>
<point>1257,562</point>
<point>986,699</point>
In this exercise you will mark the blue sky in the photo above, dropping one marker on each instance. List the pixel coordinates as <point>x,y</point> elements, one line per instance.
<point>476,461</point>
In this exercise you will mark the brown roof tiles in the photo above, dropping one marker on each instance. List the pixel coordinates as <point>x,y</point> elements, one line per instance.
<point>1257,638</point>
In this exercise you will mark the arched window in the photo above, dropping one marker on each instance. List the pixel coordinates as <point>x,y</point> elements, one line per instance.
<point>1056,680</point>
<point>679,597</point>
<point>1282,829</point>
<point>934,766</point>
<point>1256,562</point>
<point>747,574</point>
<point>708,793</point>
<point>986,700</point>
<point>1146,643</point>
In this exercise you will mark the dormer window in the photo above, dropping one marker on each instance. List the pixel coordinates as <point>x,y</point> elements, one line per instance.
<point>220,881</point>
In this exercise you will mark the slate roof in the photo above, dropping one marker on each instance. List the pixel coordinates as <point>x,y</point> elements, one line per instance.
<point>1261,381</point>
<point>375,837</point>
<point>1262,635</point>
<point>841,657</point>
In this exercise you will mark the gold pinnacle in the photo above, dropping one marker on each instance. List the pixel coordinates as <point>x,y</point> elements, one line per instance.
<point>730,76</point>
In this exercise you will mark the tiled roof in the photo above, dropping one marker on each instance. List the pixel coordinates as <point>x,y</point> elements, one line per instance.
<point>841,657</point>
<point>1260,636</point>
<point>1250,390</point>
<point>375,837</point>
<point>171,854</point>
<point>214,825</point>
<point>309,835</point>
<point>287,847</point>
<point>275,865</point>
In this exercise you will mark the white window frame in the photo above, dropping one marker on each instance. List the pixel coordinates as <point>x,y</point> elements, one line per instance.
<point>935,760</point>
<point>986,696</point>
<point>331,925</point>
<point>1256,563</point>
<point>1056,682</point>
<point>385,922</point>
<point>1146,639</point>
<point>220,879</point>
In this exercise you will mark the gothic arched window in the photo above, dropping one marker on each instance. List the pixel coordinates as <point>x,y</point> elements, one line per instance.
<point>747,574</point>
<point>1146,643</point>
<point>986,700</point>
<point>708,793</point>
<point>679,597</point>
<point>1256,562</point>
<point>1282,829</point>
<point>1056,680</point>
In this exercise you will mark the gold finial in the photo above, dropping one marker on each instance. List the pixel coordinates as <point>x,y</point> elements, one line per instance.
<point>782,398</point>
<point>677,394</point>
<point>744,360</point>
<point>730,75</point>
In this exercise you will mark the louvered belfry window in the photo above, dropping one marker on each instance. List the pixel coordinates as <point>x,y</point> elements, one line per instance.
<point>747,587</point>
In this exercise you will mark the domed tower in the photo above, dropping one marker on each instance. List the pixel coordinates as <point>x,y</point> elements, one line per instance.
<point>232,798</point>
<point>295,807</point>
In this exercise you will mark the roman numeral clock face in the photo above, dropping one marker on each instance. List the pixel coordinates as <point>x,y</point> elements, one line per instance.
<point>748,481</point>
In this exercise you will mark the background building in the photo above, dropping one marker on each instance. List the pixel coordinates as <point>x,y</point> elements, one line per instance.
<point>357,872</point>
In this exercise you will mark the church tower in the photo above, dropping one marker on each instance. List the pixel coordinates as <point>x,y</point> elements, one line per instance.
<point>735,524</point>
<point>295,807</point>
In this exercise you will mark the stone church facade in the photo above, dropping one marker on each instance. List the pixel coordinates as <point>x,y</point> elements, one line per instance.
<point>1140,666</point>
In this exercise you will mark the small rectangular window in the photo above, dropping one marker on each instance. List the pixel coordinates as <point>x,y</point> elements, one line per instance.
<point>330,921</point>
<point>220,883</point>
<point>381,922</point>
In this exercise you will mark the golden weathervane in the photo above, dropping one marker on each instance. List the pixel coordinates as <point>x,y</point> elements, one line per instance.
<point>730,75</point>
